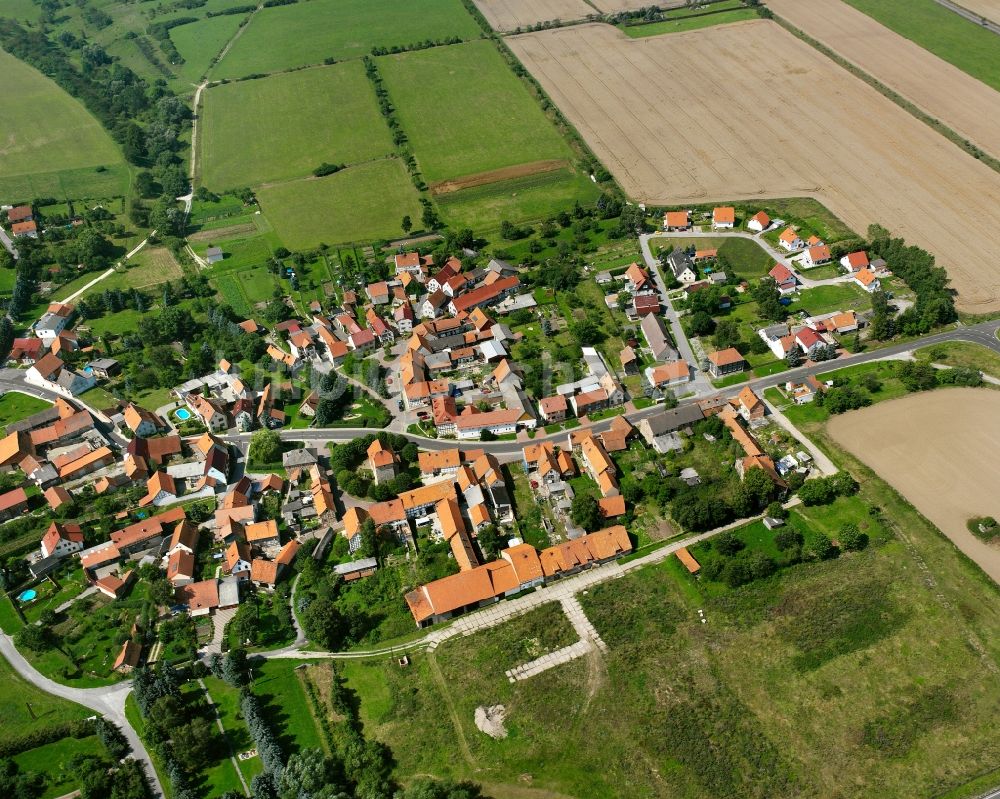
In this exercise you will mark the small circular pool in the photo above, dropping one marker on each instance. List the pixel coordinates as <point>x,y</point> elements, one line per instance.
<point>183,414</point>
<point>27,595</point>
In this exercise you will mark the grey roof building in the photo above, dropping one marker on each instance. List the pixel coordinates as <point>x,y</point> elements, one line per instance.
<point>656,336</point>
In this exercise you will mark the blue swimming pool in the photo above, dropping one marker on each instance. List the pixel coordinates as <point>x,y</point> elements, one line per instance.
<point>28,595</point>
<point>183,414</point>
<point>88,370</point>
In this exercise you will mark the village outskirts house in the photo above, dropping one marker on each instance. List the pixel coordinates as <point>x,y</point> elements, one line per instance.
<point>723,217</point>
<point>759,222</point>
<point>681,266</point>
<point>725,362</point>
<point>677,220</point>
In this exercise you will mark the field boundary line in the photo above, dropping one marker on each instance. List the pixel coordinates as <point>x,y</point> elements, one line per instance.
<point>891,94</point>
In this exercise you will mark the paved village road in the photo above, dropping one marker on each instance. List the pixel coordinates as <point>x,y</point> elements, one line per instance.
<point>983,333</point>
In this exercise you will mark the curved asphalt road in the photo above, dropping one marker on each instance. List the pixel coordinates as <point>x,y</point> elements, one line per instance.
<point>108,702</point>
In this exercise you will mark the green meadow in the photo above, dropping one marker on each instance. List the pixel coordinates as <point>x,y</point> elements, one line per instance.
<point>358,204</point>
<point>50,145</point>
<point>308,33</point>
<point>284,126</point>
<point>465,112</point>
<point>200,42</point>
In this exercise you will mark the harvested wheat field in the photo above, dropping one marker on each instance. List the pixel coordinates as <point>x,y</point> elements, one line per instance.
<point>748,110</point>
<point>939,450</point>
<point>966,105</point>
<point>508,15</point>
<point>990,9</point>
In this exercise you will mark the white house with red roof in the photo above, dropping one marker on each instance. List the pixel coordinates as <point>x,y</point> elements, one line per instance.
<point>759,222</point>
<point>855,261</point>
<point>809,341</point>
<point>867,280</point>
<point>816,255</point>
<point>61,540</point>
<point>784,278</point>
<point>723,217</point>
<point>789,240</point>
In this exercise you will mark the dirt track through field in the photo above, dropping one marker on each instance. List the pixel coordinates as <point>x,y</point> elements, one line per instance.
<point>966,105</point>
<point>497,175</point>
<point>747,111</point>
<point>939,450</point>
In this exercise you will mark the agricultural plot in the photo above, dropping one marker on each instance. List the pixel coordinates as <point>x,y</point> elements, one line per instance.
<point>519,199</point>
<point>308,33</point>
<point>948,472</point>
<point>812,683</point>
<point>466,114</point>
<point>966,105</point>
<point>748,140</point>
<point>968,46</point>
<point>284,126</point>
<point>200,42</point>
<point>361,203</point>
<point>989,9</point>
<point>509,15</point>
<point>50,145</point>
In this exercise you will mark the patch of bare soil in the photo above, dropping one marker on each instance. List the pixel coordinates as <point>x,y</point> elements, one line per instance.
<point>223,233</point>
<point>490,721</point>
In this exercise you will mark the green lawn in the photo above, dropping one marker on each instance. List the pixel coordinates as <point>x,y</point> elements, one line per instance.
<point>200,42</point>
<point>835,297</point>
<point>227,701</point>
<point>525,199</point>
<point>746,258</point>
<point>15,406</point>
<point>52,147</point>
<point>307,33</point>
<point>26,709</point>
<point>361,203</point>
<point>284,126</point>
<point>52,760</point>
<point>690,23</point>
<point>465,112</point>
<point>286,705</point>
<point>968,46</point>
<point>963,353</point>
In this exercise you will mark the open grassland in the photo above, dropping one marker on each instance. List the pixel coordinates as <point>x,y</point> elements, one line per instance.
<point>948,471</point>
<point>49,144</point>
<point>45,710</point>
<point>200,42</point>
<point>53,760</point>
<point>966,105</point>
<point>851,677</point>
<point>521,199</point>
<point>15,406</point>
<point>466,113</point>
<point>955,39</point>
<point>670,142</point>
<point>364,202</point>
<point>308,33</point>
<point>284,126</point>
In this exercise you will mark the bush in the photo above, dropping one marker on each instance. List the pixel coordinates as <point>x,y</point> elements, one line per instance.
<point>727,544</point>
<point>851,538</point>
<point>788,538</point>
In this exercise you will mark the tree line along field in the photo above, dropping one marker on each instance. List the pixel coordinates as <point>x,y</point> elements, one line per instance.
<point>670,142</point>
<point>968,106</point>
<point>284,126</point>
<point>50,145</point>
<point>850,677</point>
<point>306,33</point>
